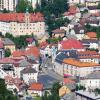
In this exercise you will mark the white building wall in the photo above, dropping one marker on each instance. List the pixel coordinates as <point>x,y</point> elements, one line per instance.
<point>40,93</point>
<point>29,76</point>
<point>91,83</point>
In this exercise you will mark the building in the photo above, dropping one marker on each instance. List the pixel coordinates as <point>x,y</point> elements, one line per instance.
<point>58,33</point>
<point>76,1</point>
<point>8,4</point>
<point>35,3</point>
<point>32,50</point>
<point>8,44</point>
<point>36,89</point>
<point>92,3</point>
<point>29,75</point>
<point>70,44</point>
<point>91,81</point>
<point>75,67</point>
<point>14,83</point>
<point>22,24</point>
<point>86,95</point>
<point>64,90</point>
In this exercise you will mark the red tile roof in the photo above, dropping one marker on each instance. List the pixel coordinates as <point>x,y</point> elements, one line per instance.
<point>14,81</point>
<point>6,60</point>
<point>36,86</point>
<point>71,44</point>
<point>68,81</point>
<point>88,52</point>
<point>43,44</point>
<point>20,17</point>
<point>78,63</point>
<point>30,51</point>
<point>91,34</point>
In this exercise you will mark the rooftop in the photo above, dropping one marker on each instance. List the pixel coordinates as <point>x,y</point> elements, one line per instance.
<point>7,41</point>
<point>77,63</point>
<point>94,75</point>
<point>71,44</point>
<point>89,95</point>
<point>28,70</point>
<point>20,17</point>
<point>36,86</point>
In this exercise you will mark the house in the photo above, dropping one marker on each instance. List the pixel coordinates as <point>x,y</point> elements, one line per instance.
<point>86,95</point>
<point>76,2</point>
<point>14,84</point>
<point>35,89</point>
<point>29,75</point>
<point>91,3</point>
<point>6,67</point>
<point>69,83</point>
<point>79,31</point>
<point>90,43</point>
<point>70,44</point>
<point>93,21</point>
<point>8,44</point>
<point>91,35</point>
<point>93,9</point>
<point>91,81</point>
<point>9,5</point>
<point>73,12</point>
<point>22,24</point>
<point>31,50</point>
<point>89,56</point>
<point>58,33</point>
<point>64,90</point>
<point>20,65</point>
<point>77,68</point>
<point>58,63</point>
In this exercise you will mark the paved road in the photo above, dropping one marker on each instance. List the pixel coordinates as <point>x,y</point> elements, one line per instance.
<point>48,76</point>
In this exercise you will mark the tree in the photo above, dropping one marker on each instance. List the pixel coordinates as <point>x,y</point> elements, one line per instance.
<point>23,5</point>
<point>5,10</point>
<point>7,52</point>
<point>4,93</point>
<point>55,88</point>
<point>98,6</point>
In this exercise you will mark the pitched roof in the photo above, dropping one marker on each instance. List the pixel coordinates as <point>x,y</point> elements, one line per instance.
<point>20,17</point>
<point>91,34</point>
<point>6,61</point>
<point>94,75</point>
<point>28,70</point>
<point>58,31</point>
<point>36,86</point>
<point>71,44</point>
<point>34,51</point>
<point>7,41</point>
<point>77,63</point>
<point>68,81</point>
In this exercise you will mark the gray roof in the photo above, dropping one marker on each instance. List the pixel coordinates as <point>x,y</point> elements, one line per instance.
<point>24,63</point>
<point>94,75</point>
<point>7,41</point>
<point>28,70</point>
<point>89,95</point>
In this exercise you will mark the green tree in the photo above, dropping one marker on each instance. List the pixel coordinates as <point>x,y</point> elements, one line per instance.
<point>23,5</point>
<point>55,88</point>
<point>4,93</point>
<point>98,6</point>
<point>7,52</point>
